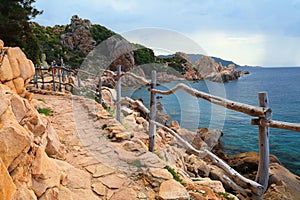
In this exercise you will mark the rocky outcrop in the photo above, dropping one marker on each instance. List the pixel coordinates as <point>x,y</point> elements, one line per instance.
<point>282,184</point>
<point>78,35</point>
<point>15,69</point>
<point>210,70</point>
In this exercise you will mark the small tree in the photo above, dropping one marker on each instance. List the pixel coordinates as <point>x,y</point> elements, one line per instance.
<point>14,26</point>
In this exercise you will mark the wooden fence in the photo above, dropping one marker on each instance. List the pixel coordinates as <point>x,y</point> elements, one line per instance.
<point>262,113</point>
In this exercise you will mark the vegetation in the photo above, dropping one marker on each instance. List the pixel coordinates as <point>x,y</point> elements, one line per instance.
<point>42,100</point>
<point>14,26</point>
<point>37,41</point>
<point>175,62</point>
<point>50,44</point>
<point>45,111</point>
<point>175,175</point>
<point>225,195</point>
<point>100,33</point>
<point>143,55</point>
<point>108,109</point>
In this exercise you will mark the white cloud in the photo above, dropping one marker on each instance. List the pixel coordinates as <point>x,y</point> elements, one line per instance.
<point>247,32</point>
<point>121,5</point>
<point>244,50</point>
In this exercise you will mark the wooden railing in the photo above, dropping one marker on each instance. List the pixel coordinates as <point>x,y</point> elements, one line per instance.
<point>262,112</point>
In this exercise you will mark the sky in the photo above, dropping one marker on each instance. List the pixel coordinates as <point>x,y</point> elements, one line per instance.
<point>248,32</point>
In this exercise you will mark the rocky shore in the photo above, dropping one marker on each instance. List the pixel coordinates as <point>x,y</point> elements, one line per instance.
<point>58,146</point>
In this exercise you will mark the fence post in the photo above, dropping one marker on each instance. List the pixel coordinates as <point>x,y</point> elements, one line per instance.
<point>59,78</point>
<point>53,78</point>
<point>36,78</point>
<point>63,75</point>
<point>42,76</point>
<point>152,127</point>
<point>100,90</point>
<point>119,83</point>
<point>78,79</point>
<point>262,176</point>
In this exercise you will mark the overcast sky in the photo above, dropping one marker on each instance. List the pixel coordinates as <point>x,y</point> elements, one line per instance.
<point>249,32</point>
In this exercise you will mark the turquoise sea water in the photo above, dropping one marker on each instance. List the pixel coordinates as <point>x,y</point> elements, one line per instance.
<point>283,87</point>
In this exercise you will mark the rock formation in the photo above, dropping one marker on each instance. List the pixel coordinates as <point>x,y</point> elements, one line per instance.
<point>15,69</point>
<point>210,70</point>
<point>78,35</point>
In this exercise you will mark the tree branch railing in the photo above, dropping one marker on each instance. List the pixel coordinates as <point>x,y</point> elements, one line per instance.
<point>238,178</point>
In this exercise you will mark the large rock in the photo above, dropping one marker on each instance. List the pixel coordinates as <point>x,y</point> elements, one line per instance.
<point>282,184</point>
<point>6,73</point>
<point>12,135</point>
<point>53,148</point>
<point>4,102</point>
<point>247,163</point>
<point>124,194</point>
<point>171,190</point>
<point>15,70</point>
<point>211,70</point>
<point>12,52</point>
<point>78,36</point>
<point>45,173</point>
<point>7,187</point>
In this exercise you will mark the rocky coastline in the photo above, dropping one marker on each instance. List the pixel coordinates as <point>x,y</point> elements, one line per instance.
<point>77,150</point>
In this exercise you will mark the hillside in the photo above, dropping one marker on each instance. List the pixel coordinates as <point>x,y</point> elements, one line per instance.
<point>74,41</point>
<point>195,57</point>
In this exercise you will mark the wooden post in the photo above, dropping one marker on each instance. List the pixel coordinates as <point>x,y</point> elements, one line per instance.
<point>100,90</point>
<point>78,79</point>
<point>152,116</point>
<point>36,78</point>
<point>119,83</point>
<point>42,76</point>
<point>262,176</point>
<point>53,78</point>
<point>59,78</point>
<point>63,75</point>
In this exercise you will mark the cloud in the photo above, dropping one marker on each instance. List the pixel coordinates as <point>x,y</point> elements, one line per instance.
<point>163,40</point>
<point>244,31</point>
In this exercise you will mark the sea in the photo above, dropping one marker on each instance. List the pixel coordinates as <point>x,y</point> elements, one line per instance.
<point>282,85</point>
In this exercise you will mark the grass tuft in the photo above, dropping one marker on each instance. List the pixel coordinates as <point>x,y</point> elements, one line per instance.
<point>175,175</point>
<point>45,111</point>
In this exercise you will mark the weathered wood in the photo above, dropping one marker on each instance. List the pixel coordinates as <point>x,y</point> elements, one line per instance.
<point>63,76</point>
<point>87,73</point>
<point>255,187</point>
<point>42,77</point>
<point>78,79</point>
<point>152,115</point>
<point>59,79</point>
<point>100,90</point>
<point>262,176</point>
<point>53,79</point>
<point>111,73</point>
<point>142,80</point>
<point>136,103</point>
<point>119,85</point>
<point>232,105</point>
<point>36,78</point>
<point>277,124</point>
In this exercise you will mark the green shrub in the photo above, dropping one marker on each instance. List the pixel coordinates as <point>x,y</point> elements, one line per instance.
<point>225,195</point>
<point>42,100</point>
<point>108,109</point>
<point>45,111</point>
<point>175,175</point>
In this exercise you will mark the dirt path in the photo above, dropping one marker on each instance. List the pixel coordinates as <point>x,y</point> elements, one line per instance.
<point>84,127</point>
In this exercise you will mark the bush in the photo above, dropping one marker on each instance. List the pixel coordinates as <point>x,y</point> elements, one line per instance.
<point>45,111</point>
